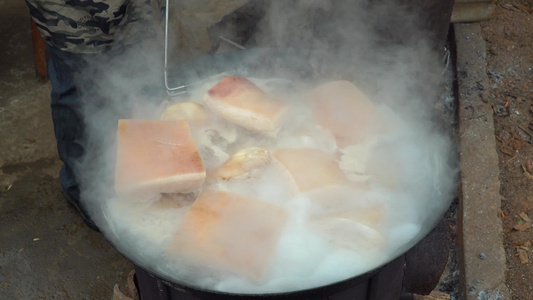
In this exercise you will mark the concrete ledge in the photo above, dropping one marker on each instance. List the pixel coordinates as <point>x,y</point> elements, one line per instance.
<point>480,233</point>
<point>472,11</point>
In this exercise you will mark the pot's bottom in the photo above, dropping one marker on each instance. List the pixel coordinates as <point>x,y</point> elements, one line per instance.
<point>385,284</point>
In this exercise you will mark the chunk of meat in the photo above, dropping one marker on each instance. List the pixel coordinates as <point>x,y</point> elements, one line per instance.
<point>230,233</point>
<point>155,157</point>
<point>309,168</point>
<point>348,233</point>
<point>355,157</point>
<point>239,101</point>
<point>348,202</point>
<point>244,164</point>
<point>343,109</point>
<point>191,112</point>
<point>348,217</point>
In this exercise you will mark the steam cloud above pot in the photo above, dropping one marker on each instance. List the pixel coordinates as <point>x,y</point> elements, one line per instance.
<point>404,168</point>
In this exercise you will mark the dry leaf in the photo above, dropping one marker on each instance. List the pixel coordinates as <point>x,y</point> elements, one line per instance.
<point>434,295</point>
<point>509,7</point>
<point>524,217</point>
<point>522,227</point>
<point>8,188</point>
<point>522,255</point>
<point>529,167</point>
<point>523,8</point>
<point>528,175</point>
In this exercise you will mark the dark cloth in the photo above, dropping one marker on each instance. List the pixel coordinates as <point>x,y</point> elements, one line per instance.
<point>69,127</point>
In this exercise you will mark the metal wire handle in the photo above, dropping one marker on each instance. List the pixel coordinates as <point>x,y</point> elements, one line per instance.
<point>182,89</point>
<point>171,91</point>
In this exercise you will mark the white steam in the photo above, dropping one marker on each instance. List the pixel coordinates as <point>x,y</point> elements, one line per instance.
<point>410,167</point>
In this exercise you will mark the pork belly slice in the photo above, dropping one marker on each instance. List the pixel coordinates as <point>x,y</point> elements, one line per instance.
<point>155,157</point>
<point>350,202</point>
<point>239,101</point>
<point>343,109</point>
<point>354,159</point>
<point>308,168</point>
<point>230,233</point>
<point>348,217</point>
<point>347,233</point>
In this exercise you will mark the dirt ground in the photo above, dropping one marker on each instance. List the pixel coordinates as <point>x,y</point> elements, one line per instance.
<point>509,40</point>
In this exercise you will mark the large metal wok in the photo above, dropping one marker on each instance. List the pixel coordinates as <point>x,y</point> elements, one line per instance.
<point>384,281</point>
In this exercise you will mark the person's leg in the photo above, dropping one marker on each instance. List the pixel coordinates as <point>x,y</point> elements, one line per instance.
<point>68,123</point>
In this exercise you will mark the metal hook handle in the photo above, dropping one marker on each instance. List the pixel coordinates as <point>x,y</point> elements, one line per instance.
<point>171,91</point>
